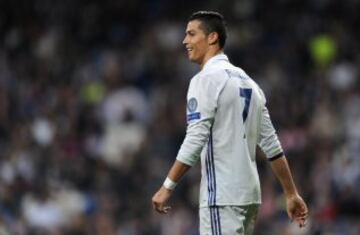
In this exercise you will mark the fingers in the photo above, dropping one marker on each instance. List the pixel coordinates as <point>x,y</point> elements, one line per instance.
<point>161,208</point>
<point>160,199</point>
<point>300,218</point>
<point>164,210</point>
<point>301,222</point>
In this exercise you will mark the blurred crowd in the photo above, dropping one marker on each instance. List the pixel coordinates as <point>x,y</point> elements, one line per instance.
<point>92,112</point>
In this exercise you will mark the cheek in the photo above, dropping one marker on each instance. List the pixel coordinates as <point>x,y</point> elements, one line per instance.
<point>198,45</point>
<point>201,47</point>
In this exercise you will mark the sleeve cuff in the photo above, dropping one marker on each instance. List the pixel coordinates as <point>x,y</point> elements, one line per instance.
<point>186,161</point>
<point>279,155</point>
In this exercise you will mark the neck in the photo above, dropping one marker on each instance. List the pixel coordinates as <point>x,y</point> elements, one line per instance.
<point>209,55</point>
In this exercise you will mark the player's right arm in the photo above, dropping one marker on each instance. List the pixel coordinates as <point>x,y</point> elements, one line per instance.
<point>162,196</point>
<point>202,103</point>
<point>200,112</point>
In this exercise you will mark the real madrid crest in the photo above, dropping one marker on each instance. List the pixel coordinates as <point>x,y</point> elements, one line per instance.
<point>192,104</point>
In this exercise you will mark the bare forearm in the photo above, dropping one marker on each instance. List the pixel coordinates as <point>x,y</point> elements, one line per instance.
<point>177,171</point>
<point>161,197</point>
<point>282,171</point>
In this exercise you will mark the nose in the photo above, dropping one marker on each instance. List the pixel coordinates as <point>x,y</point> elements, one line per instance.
<point>185,41</point>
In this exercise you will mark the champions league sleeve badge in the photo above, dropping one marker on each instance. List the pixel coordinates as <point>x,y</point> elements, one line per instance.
<point>192,105</point>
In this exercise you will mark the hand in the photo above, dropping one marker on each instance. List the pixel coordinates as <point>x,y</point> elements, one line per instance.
<point>160,199</point>
<point>297,209</point>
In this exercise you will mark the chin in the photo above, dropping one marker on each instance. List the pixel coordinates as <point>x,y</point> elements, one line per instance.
<point>194,60</point>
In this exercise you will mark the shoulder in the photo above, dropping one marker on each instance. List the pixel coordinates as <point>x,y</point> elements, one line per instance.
<point>208,82</point>
<point>247,81</point>
<point>213,75</point>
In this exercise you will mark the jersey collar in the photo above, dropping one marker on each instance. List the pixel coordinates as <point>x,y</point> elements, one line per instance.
<point>215,59</point>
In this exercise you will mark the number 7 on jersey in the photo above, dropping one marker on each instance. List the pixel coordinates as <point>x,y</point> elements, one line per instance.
<point>246,93</point>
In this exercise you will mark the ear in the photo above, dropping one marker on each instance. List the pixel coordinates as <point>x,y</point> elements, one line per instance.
<point>213,38</point>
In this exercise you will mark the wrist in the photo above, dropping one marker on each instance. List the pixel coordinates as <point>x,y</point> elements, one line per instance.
<point>169,184</point>
<point>291,194</point>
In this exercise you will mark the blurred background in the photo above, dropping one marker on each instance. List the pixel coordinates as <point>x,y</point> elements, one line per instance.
<point>92,111</point>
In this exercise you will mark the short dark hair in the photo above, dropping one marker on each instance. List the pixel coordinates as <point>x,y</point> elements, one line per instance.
<point>212,21</point>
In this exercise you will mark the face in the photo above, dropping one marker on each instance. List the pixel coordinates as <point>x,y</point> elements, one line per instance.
<point>196,42</point>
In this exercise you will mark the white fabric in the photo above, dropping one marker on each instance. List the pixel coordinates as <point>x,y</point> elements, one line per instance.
<point>169,184</point>
<point>228,220</point>
<point>220,133</point>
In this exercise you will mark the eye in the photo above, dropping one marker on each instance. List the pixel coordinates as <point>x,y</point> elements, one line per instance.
<point>190,33</point>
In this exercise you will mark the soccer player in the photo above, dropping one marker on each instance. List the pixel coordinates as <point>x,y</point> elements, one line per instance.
<point>227,118</point>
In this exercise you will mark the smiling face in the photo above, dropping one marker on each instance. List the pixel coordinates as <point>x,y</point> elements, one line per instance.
<point>196,42</point>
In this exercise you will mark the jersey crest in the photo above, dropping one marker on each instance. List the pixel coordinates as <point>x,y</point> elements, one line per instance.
<point>192,105</point>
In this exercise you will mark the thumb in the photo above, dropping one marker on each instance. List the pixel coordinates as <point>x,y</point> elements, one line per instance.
<point>291,217</point>
<point>290,213</point>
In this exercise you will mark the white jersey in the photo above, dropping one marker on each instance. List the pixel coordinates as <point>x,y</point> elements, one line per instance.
<point>227,119</point>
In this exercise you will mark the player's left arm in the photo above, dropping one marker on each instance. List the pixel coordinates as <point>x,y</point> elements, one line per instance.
<point>270,145</point>
<point>296,207</point>
<point>162,196</point>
